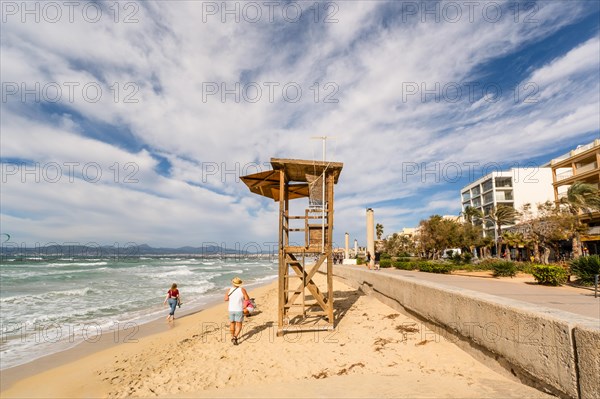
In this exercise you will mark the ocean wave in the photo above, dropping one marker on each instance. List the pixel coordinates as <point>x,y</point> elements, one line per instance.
<point>202,268</point>
<point>78,264</point>
<point>197,289</point>
<point>18,299</point>
<point>234,271</point>
<point>183,272</point>
<point>266,278</point>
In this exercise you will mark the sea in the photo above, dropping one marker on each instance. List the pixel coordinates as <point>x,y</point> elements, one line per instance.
<point>50,304</point>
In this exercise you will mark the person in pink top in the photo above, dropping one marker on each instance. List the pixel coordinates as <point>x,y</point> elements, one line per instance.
<point>173,299</point>
<point>235,296</point>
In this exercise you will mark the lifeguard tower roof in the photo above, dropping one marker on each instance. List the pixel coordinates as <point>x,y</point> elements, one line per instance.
<point>296,171</point>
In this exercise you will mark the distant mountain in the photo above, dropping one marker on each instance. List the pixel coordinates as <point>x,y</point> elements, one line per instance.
<point>67,250</point>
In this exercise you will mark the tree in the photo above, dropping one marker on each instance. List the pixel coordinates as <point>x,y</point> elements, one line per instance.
<point>501,215</point>
<point>472,215</point>
<point>379,230</point>
<point>399,244</point>
<point>581,197</point>
<point>472,228</point>
<point>437,234</point>
<point>513,240</point>
<point>544,231</point>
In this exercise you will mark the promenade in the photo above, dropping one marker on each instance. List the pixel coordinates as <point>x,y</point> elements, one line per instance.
<point>570,299</point>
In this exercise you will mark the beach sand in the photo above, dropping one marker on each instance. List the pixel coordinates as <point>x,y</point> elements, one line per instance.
<point>373,352</point>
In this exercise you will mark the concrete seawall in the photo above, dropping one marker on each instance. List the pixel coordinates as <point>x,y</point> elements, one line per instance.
<point>553,350</point>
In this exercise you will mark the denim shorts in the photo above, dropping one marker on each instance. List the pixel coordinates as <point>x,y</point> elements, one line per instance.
<point>236,316</point>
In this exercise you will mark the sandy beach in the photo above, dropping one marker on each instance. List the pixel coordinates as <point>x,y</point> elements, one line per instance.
<point>373,352</point>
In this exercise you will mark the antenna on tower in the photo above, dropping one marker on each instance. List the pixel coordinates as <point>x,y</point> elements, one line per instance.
<point>324,140</point>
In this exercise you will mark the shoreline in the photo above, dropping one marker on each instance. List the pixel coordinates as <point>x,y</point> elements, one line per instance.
<point>371,352</point>
<point>107,340</point>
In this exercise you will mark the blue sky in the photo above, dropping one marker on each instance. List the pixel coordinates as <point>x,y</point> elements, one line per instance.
<point>134,124</point>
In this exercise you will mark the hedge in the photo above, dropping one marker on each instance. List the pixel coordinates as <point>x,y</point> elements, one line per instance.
<point>585,268</point>
<point>550,275</point>
<point>504,269</point>
<point>404,265</point>
<point>430,267</point>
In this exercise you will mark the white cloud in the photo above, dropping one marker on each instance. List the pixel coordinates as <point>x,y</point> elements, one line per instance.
<point>170,55</point>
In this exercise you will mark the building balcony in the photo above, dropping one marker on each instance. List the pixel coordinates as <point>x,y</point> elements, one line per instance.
<point>573,153</point>
<point>585,168</point>
<point>564,175</point>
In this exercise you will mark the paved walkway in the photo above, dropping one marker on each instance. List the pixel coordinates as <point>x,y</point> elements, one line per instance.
<point>570,299</point>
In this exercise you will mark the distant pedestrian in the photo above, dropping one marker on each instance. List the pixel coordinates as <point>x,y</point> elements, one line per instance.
<point>369,260</point>
<point>236,296</point>
<point>174,299</point>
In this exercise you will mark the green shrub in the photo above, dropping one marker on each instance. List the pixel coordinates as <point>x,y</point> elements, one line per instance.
<point>585,268</point>
<point>431,267</point>
<point>486,264</point>
<point>404,259</point>
<point>360,260</point>
<point>405,265</point>
<point>455,259</point>
<point>385,256</point>
<point>385,263</point>
<point>504,269</point>
<point>467,257</point>
<point>550,275</point>
<point>526,267</point>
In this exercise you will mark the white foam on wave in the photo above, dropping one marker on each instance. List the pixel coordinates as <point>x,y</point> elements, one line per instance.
<point>20,299</point>
<point>78,264</point>
<point>181,272</point>
<point>219,267</point>
<point>234,271</point>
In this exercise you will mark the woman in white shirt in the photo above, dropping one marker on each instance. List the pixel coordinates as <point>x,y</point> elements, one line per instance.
<point>236,295</point>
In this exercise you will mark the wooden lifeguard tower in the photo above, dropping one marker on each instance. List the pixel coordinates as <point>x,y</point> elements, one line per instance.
<point>303,306</point>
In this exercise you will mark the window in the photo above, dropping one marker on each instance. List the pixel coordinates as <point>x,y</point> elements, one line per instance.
<point>488,198</point>
<point>487,185</point>
<point>502,182</point>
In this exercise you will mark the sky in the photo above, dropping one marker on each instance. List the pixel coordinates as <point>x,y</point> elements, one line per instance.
<point>132,122</point>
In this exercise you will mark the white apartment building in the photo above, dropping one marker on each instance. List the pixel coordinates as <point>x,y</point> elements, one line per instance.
<point>514,187</point>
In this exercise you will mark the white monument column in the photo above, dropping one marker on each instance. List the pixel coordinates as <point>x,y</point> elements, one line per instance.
<point>346,253</point>
<point>371,234</point>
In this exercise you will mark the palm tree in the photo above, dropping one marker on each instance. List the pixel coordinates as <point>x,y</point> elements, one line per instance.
<point>471,214</point>
<point>513,240</point>
<point>379,230</point>
<point>581,197</point>
<point>501,215</point>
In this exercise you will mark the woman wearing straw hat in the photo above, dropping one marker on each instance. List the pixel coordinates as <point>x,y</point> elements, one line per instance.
<point>236,295</point>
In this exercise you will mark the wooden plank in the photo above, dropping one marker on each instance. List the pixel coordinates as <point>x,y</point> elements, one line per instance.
<point>312,287</point>
<point>308,278</point>
<point>282,264</point>
<point>312,249</point>
<point>330,183</point>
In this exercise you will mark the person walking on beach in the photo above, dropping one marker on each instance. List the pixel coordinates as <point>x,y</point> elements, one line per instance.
<point>173,299</point>
<point>236,296</point>
<point>369,260</point>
